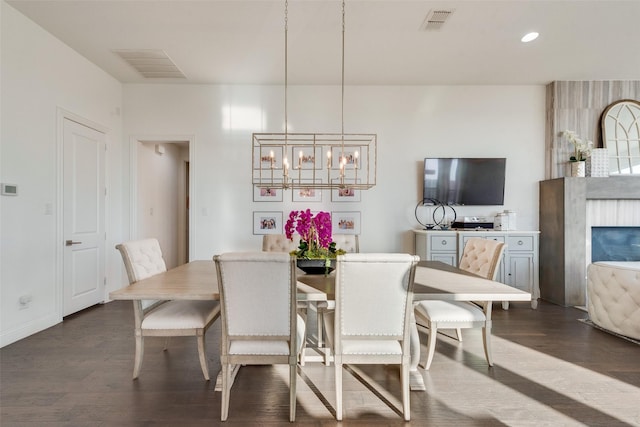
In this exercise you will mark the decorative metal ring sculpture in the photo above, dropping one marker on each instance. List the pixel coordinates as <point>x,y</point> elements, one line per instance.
<point>436,222</point>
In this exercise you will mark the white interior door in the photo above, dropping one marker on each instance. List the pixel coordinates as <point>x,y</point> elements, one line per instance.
<point>83,217</point>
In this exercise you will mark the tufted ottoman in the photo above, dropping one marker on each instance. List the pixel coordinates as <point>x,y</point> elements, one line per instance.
<point>613,294</point>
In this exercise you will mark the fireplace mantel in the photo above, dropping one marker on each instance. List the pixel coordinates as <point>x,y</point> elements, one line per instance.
<point>563,204</point>
<point>615,187</point>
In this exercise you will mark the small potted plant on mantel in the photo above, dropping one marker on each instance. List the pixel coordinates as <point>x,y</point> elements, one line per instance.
<point>317,251</point>
<point>581,151</point>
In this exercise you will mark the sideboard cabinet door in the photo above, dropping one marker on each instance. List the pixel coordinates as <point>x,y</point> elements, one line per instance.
<point>519,265</point>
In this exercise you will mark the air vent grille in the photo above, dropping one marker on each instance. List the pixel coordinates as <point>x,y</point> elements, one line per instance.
<point>436,18</point>
<point>151,63</point>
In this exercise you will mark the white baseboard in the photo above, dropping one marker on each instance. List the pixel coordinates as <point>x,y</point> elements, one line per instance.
<point>28,329</point>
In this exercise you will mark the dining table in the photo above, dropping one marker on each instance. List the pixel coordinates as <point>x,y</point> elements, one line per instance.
<point>434,280</point>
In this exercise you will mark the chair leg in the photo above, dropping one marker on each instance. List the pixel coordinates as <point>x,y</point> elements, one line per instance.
<point>302,351</point>
<point>486,339</point>
<point>321,332</point>
<point>459,334</point>
<point>431,346</point>
<point>203,355</point>
<point>303,313</point>
<point>292,392</point>
<point>327,355</point>
<point>406,405</point>
<point>226,380</point>
<point>137,363</point>
<point>320,324</point>
<point>166,344</point>
<point>327,322</point>
<point>338,369</point>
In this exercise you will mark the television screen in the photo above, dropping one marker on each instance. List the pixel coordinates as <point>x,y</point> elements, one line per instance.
<point>464,181</point>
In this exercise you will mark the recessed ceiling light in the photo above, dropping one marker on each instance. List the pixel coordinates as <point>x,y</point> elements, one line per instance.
<point>529,37</point>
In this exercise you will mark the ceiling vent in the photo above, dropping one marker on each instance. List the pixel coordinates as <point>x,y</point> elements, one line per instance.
<point>151,63</point>
<point>435,19</point>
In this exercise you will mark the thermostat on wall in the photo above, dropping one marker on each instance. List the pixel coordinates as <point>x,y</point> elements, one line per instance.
<point>9,189</point>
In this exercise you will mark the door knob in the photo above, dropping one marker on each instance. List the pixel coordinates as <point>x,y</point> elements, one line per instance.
<point>71,242</point>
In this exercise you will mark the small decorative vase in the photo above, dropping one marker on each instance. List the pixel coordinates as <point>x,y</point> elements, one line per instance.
<point>315,265</point>
<point>578,168</point>
<point>598,163</point>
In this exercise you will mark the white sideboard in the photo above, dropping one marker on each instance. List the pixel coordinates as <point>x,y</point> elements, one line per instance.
<point>519,267</point>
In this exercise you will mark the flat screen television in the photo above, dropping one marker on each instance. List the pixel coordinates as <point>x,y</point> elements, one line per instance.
<point>464,181</point>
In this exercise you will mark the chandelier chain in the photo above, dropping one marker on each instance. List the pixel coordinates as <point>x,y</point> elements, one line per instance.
<point>342,81</point>
<point>350,162</point>
<point>286,63</point>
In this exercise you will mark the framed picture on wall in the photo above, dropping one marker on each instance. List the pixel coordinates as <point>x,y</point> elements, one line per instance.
<point>267,194</point>
<point>268,157</point>
<point>345,194</point>
<point>307,194</point>
<point>351,154</point>
<point>267,222</point>
<point>306,158</point>
<point>345,222</point>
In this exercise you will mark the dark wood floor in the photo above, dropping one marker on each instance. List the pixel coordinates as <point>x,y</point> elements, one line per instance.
<point>550,369</point>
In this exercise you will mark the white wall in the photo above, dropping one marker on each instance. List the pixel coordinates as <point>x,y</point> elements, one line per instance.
<point>40,75</point>
<point>411,123</point>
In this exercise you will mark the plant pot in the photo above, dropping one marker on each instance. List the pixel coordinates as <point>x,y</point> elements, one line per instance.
<point>315,265</point>
<point>578,169</point>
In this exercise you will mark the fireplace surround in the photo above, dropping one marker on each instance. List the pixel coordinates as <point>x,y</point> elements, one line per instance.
<point>565,230</point>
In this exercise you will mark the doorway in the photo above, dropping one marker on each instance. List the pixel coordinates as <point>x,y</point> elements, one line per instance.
<point>162,195</point>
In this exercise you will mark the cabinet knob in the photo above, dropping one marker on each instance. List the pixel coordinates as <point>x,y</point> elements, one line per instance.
<point>520,242</point>
<point>444,243</point>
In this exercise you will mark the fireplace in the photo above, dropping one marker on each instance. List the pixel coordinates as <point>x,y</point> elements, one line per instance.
<point>615,244</point>
<point>570,208</point>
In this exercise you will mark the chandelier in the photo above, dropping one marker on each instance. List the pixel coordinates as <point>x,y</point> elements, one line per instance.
<point>314,160</point>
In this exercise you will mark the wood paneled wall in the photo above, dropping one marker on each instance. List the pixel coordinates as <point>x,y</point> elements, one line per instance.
<point>577,106</point>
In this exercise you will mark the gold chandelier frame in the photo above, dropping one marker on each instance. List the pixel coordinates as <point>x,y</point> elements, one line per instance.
<point>318,160</point>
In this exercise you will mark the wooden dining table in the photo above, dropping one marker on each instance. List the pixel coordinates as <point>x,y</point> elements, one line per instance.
<point>434,280</point>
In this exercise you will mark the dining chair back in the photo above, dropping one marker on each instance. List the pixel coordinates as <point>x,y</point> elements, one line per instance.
<point>280,243</point>
<point>260,324</point>
<point>363,334</point>
<point>349,243</point>
<point>143,259</point>
<point>481,257</point>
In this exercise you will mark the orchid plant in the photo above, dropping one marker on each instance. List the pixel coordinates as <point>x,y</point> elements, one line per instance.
<point>315,234</point>
<point>581,149</point>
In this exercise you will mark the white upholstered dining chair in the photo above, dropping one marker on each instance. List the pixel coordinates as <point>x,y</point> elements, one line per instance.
<point>481,257</point>
<point>143,259</point>
<point>279,243</point>
<point>363,334</point>
<point>349,243</point>
<point>260,324</point>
